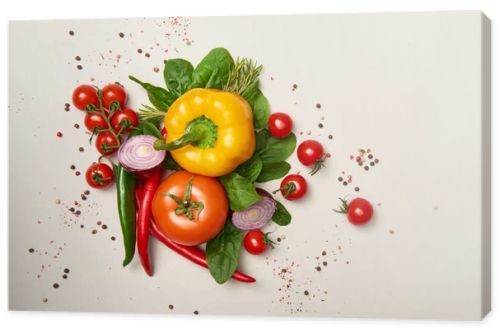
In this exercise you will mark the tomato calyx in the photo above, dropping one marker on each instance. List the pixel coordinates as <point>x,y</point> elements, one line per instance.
<point>344,206</point>
<point>320,163</point>
<point>288,189</point>
<point>185,206</point>
<point>99,179</point>
<point>267,240</point>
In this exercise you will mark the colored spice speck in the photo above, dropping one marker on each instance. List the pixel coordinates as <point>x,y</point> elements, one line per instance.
<point>87,192</point>
<point>171,307</point>
<point>156,69</point>
<point>320,125</point>
<point>121,35</point>
<point>367,168</point>
<point>59,134</point>
<point>113,238</point>
<point>64,276</point>
<point>45,300</point>
<point>80,67</point>
<point>31,250</point>
<point>139,50</point>
<point>147,55</point>
<point>306,293</point>
<point>318,268</point>
<point>330,137</point>
<point>94,231</point>
<point>55,286</point>
<point>318,105</point>
<point>78,58</point>
<point>196,312</point>
<point>323,253</point>
<point>81,149</point>
<point>356,188</point>
<point>71,33</point>
<point>66,270</point>
<point>77,173</point>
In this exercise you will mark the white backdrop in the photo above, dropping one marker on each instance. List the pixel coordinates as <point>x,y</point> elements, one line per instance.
<point>81,322</point>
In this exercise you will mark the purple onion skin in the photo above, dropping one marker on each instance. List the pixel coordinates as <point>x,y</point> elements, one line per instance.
<point>263,193</point>
<point>157,157</point>
<point>267,206</point>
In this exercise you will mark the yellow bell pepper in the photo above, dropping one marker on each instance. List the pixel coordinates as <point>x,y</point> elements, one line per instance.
<point>210,132</point>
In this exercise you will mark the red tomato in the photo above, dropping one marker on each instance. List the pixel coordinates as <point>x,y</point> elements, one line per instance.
<point>163,132</point>
<point>126,117</point>
<point>85,95</point>
<point>293,187</point>
<point>106,143</point>
<point>93,121</point>
<point>359,210</point>
<point>113,93</point>
<point>99,175</point>
<point>280,125</point>
<point>256,242</point>
<point>311,153</point>
<point>194,218</point>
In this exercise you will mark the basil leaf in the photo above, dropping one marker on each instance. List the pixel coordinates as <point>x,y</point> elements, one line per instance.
<point>273,171</point>
<point>260,111</point>
<point>177,74</point>
<point>281,216</point>
<point>223,252</point>
<point>240,191</point>
<point>250,169</point>
<point>213,70</point>
<point>275,150</point>
<point>170,164</point>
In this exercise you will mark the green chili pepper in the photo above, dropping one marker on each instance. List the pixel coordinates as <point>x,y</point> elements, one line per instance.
<point>125,186</point>
<point>158,96</point>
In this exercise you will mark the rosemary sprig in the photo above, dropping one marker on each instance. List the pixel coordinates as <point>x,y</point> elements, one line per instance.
<point>149,113</point>
<point>244,73</point>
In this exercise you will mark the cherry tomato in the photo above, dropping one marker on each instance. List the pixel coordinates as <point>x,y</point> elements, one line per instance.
<point>280,125</point>
<point>106,143</point>
<point>85,95</point>
<point>113,93</point>
<point>126,117</point>
<point>256,242</point>
<point>163,132</point>
<point>311,153</point>
<point>93,121</point>
<point>359,210</point>
<point>293,187</point>
<point>99,175</point>
<point>190,219</point>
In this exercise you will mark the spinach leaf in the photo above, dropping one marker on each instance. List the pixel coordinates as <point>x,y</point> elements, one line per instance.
<point>240,191</point>
<point>273,171</point>
<point>146,128</point>
<point>158,96</point>
<point>250,94</point>
<point>170,164</point>
<point>281,216</point>
<point>261,138</point>
<point>213,70</point>
<point>271,149</point>
<point>250,169</point>
<point>260,111</point>
<point>223,252</point>
<point>177,74</point>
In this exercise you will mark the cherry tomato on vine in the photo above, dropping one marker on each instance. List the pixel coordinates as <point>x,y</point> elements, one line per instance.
<point>99,175</point>
<point>311,153</point>
<point>106,143</point>
<point>113,93</point>
<point>124,117</point>
<point>293,187</point>
<point>359,210</point>
<point>93,121</point>
<point>85,95</point>
<point>256,242</point>
<point>280,125</point>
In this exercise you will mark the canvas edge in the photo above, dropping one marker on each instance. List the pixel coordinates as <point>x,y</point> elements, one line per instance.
<point>486,165</point>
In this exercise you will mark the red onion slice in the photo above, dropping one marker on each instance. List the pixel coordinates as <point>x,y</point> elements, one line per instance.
<point>256,216</point>
<point>137,154</point>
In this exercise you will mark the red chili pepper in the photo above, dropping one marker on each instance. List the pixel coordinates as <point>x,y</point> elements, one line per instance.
<point>145,199</point>
<point>192,253</point>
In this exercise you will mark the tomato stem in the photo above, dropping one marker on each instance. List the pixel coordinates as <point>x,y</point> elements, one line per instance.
<point>344,206</point>
<point>289,188</point>
<point>185,205</point>
<point>320,163</point>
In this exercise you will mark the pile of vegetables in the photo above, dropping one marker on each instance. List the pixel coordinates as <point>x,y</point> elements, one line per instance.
<point>210,131</point>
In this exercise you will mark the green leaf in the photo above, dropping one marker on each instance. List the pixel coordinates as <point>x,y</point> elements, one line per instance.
<point>240,191</point>
<point>271,149</point>
<point>223,252</point>
<point>177,74</point>
<point>213,70</point>
<point>273,171</point>
<point>170,164</point>
<point>251,93</point>
<point>146,128</point>
<point>250,169</point>
<point>281,216</point>
<point>158,96</point>
<point>261,111</point>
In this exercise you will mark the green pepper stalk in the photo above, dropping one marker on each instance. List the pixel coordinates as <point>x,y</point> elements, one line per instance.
<point>125,186</point>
